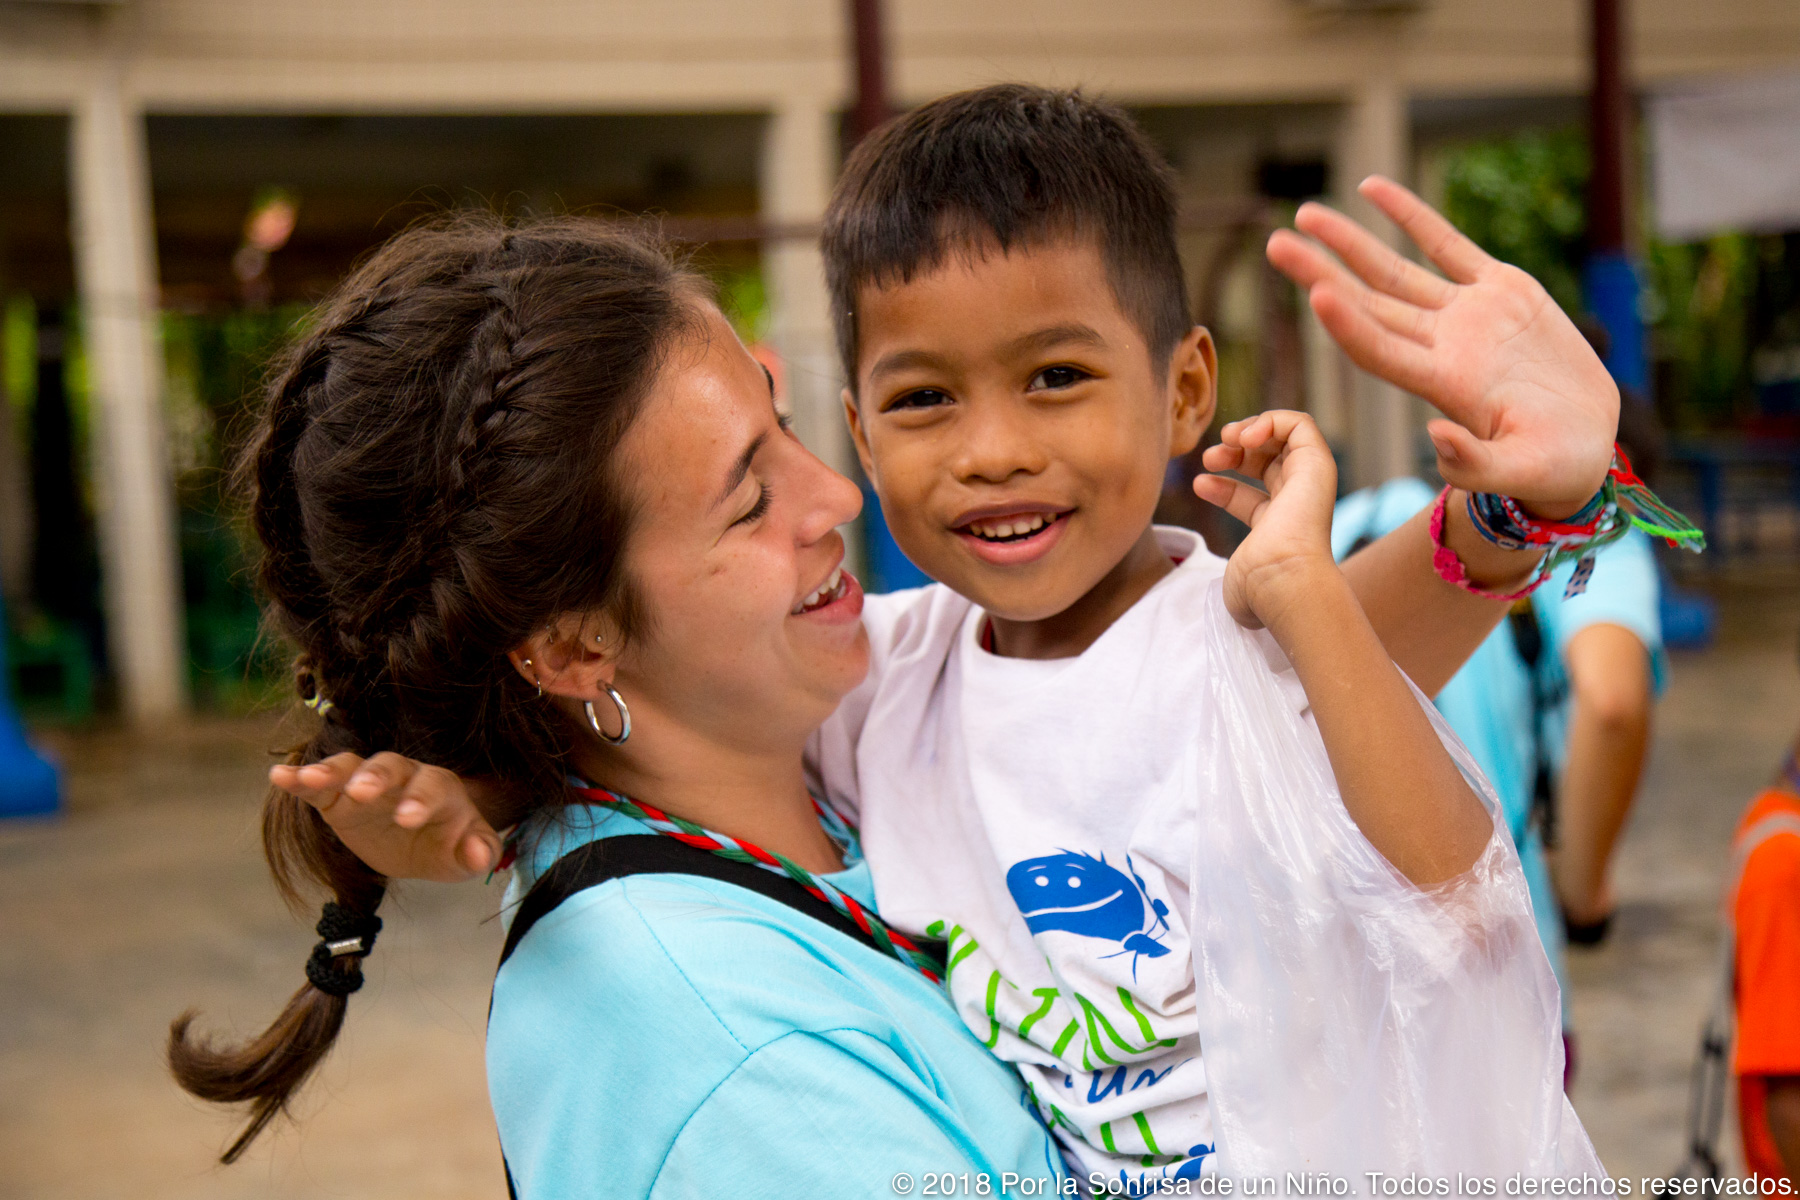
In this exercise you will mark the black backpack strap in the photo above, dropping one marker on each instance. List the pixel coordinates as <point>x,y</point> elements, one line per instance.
<point>653,854</point>
<point>1529,643</point>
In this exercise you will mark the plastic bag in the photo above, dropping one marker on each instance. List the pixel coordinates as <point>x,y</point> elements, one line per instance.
<point>1350,1021</point>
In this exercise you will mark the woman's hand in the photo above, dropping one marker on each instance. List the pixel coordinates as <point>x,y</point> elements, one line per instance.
<point>1532,410</point>
<point>401,817</point>
<point>1290,523</point>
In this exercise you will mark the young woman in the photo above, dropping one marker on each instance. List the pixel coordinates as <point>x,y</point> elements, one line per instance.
<point>523,493</point>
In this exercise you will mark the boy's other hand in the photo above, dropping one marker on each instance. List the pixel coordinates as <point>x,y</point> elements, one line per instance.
<point>401,817</point>
<point>1290,523</point>
<point>1532,411</point>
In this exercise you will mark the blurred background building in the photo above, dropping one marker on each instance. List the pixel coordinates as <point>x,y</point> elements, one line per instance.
<point>180,178</point>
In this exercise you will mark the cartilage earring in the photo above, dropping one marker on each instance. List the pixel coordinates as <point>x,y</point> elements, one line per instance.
<point>534,678</point>
<point>624,717</point>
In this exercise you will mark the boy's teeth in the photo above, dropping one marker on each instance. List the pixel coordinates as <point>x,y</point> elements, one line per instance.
<point>1014,528</point>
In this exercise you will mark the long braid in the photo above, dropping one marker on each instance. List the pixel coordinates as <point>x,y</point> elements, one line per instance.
<point>431,482</point>
<point>296,841</point>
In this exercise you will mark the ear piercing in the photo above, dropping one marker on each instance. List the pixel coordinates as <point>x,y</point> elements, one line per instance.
<point>624,716</point>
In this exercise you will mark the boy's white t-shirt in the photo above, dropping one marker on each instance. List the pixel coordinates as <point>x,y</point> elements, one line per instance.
<point>1040,816</point>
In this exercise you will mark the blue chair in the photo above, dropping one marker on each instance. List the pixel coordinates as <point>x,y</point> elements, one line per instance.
<point>29,786</point>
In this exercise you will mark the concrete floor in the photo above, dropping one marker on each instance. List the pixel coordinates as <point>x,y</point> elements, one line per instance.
<point>150,896</point>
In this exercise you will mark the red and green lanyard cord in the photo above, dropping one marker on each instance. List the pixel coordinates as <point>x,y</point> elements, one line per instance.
<point>892,941</point>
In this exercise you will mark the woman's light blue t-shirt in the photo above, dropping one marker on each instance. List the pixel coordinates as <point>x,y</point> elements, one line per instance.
<point>672,1035</point>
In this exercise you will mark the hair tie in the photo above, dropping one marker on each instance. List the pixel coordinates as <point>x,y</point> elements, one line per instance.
<point>348,935</point>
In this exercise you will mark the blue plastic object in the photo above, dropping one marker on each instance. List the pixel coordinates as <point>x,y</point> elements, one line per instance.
<point>29,786</point>
<point>1612,291</point>
<point>1689,619</point>
<point>889,569</point>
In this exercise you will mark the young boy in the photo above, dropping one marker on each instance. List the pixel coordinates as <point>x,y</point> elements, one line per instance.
<point>1038,746</point>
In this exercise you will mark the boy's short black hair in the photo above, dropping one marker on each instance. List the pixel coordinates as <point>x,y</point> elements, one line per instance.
<point>1019,165</point>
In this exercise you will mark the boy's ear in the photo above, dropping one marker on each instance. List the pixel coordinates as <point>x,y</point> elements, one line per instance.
<point>570,656</point>
<point>1193,389</point>
<point>858,435</point>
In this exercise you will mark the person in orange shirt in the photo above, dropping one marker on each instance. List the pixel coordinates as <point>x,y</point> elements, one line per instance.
<point>1766,917</point>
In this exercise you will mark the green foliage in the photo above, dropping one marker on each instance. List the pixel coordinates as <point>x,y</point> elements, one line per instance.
<point>744,299</point>
<point>217,363</point>
<point>18,359</point>
<point>1701,303</point>
<point>1522,199</point>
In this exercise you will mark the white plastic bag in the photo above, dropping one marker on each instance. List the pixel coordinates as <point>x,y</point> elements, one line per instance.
<point>1350,1021</point>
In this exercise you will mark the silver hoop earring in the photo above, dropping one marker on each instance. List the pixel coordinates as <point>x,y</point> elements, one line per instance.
<point>624,717</point>
<point>534,678</point>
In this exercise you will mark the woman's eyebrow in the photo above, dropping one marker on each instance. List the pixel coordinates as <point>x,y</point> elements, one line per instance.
<point>740,468</point>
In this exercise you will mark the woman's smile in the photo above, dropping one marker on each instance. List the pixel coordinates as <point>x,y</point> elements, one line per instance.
<point>836,601</point>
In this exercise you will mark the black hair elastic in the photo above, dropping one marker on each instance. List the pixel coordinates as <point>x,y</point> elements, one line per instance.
<point>347,936</point>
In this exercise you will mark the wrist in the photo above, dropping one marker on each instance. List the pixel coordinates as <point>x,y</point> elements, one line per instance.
<point>1282,592</point>
<point>1476,563</point>
<point>1571,503</point>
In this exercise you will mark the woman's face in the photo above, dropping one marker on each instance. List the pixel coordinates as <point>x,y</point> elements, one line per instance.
<point>752,633</point>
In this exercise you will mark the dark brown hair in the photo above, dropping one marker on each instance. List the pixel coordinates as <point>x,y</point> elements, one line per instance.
<point>1021,166</point>
<point>433,480</point>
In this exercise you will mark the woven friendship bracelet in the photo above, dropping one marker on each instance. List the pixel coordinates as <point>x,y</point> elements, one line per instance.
<point>1623,501</point>
<point>890,940</point>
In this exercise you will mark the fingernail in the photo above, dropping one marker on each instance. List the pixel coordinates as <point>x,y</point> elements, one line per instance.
<point>408,809</point>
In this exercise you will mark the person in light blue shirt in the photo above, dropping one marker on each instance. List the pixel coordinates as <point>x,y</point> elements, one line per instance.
<point>750,1050</point>
<point>1514,717</point>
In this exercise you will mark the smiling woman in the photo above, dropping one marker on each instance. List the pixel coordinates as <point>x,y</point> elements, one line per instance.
<point>512,478</point>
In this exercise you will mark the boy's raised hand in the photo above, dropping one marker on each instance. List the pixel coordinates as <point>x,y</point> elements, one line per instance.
<point>401,817</point>
<point>1290,523</point>
<point>1532,411</point>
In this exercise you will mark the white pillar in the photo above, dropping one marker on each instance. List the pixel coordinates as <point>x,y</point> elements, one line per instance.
<point>115,261</point>
<point>1376,138</point>
<point>799,165</point>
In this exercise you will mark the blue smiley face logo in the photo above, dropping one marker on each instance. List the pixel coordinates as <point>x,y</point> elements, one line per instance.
<point>1081,894</point>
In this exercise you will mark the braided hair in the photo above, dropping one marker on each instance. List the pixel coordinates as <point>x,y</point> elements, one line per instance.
<point>431,480</point>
